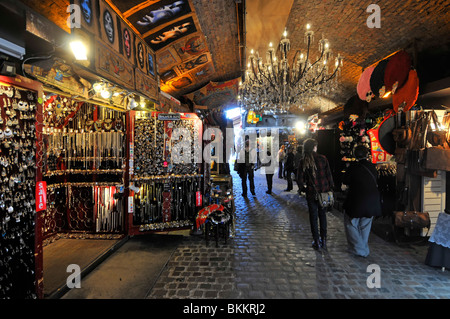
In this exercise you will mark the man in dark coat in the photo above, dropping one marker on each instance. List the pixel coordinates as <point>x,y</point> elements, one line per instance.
<point>246,170</point>
<point>362,202</point>
<point>289,167</point>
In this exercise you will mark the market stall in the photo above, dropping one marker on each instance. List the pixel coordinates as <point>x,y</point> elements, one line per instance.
<point>20,155</point>
<point>166,172</point>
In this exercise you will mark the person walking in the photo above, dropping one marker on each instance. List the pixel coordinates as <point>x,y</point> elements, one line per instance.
<point>314,174</point>
<point>289,168</point>
<point>281,155</point>
<point>362,202</point>
<point>269,172</point>
<point>246,170</point>
<point>297,157</point>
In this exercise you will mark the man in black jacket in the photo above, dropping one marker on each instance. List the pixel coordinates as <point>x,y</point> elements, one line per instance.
<point>362,202</point>
<point>289,166</point>
<point>246,170</point>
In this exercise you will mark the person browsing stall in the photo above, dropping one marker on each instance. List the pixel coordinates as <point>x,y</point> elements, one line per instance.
<point>362,202</point>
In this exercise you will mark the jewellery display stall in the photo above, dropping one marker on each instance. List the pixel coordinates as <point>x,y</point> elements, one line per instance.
<point>19,154</point>
<point>84,167</point>
<point>165,171</point>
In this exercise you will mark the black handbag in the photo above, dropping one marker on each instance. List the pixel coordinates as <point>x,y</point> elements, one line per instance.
<point>325,199</point>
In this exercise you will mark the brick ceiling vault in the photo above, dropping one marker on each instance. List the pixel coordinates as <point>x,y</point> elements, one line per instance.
<point>343,23</point>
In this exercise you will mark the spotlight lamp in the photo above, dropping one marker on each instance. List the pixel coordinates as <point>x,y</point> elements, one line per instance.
<point>79,49</point>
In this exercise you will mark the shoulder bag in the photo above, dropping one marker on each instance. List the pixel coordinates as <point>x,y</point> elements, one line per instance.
<point>325,199</point>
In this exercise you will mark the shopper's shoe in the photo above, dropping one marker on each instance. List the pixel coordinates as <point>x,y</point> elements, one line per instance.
<point>323,243</point>
<point>244,194</point>
<point>287,190</point>
<point>315,245</point>
<point>268,192</point>
<point>253,193</point>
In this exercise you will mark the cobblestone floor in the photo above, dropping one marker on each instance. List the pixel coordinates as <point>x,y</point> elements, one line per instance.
<point>271,257</point>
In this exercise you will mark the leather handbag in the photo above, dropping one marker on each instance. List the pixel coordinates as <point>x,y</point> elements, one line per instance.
<point>412,219</point>
<point>325,199</point>
<point>436,158</point>
<point>436,136</point>
<point>402,136</point>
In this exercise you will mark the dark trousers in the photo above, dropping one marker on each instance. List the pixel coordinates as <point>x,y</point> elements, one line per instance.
<point>250,174</point>
<point>269,179</point>
<point>289,179</point>
<point>317,214</point>
<point>280,169</point>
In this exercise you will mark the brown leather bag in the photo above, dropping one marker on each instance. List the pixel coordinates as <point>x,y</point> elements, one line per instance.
<point>402,136</point>
<point>436,158</point>
<point>412,219</point>
<point>436,136</point>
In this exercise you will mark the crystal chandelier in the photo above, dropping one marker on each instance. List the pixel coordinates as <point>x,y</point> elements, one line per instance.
<point>277,86</point>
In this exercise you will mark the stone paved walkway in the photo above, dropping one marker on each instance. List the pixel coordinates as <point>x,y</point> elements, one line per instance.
<point>271,257</point>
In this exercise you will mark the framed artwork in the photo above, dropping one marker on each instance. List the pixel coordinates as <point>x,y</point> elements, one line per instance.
<point>127,37</point>
<point>113,66</point>
<point>159,13</point>
<point>181,82</point>
<point>194,63</point>
<point>193,46</point>
<point>89,15</point>
<point>140,53</point>
<point>151,66</point>
<point>167,58</point>
<point>168,75</point>
<point>203,72</point>
<point>108,26</point>
<point>146,85</point>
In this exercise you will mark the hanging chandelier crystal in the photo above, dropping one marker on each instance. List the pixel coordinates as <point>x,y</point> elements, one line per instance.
<point>277,86</point>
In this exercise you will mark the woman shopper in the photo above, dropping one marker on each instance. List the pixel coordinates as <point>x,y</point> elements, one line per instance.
<point>362,202</point>
<point>315,175</point>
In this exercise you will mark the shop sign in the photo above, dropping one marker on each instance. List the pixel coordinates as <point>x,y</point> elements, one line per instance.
<point>169,117</point>
<point>41,196</point>
<point>198,197</point>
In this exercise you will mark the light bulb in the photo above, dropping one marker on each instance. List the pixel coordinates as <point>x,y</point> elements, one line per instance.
<point>105,93</point>
<point>79,50</point>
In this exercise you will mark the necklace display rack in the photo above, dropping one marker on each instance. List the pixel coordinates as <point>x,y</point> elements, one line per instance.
<point>84,166</point>
<point>17,197</point>
<point>167,188</point>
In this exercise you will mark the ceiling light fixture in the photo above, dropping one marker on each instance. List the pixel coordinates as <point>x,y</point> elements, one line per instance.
<point>79,50</point>
<point>277,86</point>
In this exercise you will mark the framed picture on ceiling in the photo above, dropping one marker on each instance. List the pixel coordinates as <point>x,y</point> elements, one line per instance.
<point>160,12</point>
<point>167,58</point>
<point>168,75</point>
<point>192,46</point>
<point>194,63</point>
<point>171,33</point>
<point>181,82</point>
